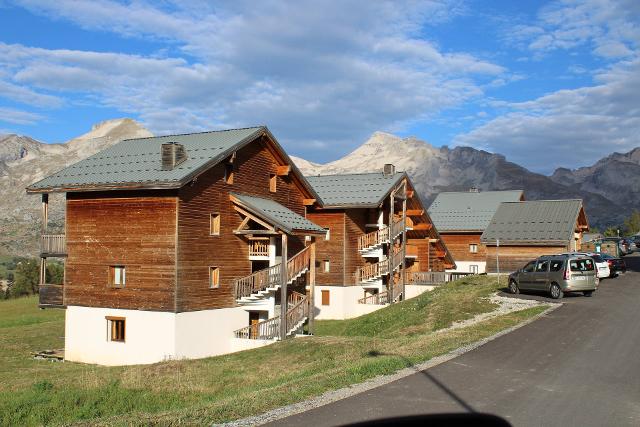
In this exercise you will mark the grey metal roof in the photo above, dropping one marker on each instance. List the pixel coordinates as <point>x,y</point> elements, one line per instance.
<point>468,211</point>
<point>534,222</point>
<point>354,190</point>
<point>136,163</point>
<point>276,214</point>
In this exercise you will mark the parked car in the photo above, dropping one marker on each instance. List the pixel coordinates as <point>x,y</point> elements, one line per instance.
<point>556,274</point>
<point>616,265</point>
<point>603,270</point>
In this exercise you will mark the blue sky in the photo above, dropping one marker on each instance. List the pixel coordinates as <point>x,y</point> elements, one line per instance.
<point>547,84</point>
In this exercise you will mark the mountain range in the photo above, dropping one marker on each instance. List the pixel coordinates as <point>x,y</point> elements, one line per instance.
<point>610,188</point>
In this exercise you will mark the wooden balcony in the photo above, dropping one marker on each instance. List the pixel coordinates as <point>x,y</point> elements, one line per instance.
<point>426,277</point>
<point>297,312</point>
<point>381,298</point>
<point>51,296</point>
<point>53,245</point>
<point>372,271</point>
<point>374,239</point>
<point>259,248</point>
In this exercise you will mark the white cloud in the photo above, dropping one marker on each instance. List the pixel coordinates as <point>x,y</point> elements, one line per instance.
<point>316,72</point>
<point>11,115</point>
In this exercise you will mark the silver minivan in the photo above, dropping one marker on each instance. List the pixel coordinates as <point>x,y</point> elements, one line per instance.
<point>556,274</point>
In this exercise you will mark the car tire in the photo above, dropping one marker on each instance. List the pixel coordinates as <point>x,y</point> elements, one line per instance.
<point>556,291</point>
<point>587,293</point>
<point>513,287</point>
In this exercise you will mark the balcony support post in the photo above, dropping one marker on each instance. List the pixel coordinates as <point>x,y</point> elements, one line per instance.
<point>312,286</point>
<point>392,202</point>
<point>404,240</point>
<point>45,212</point>
<point>283,288</point>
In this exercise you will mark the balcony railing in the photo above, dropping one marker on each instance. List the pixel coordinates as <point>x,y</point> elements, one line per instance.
<point>426,277</point>
<point>51,295</point>
<point>53,244</point>
<point>297,311</point>
<point>259,248</point>
<point>381,298</point>
<point>372,271</point>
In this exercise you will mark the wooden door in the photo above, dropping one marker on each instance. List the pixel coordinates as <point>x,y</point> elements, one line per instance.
<point>254,319</point>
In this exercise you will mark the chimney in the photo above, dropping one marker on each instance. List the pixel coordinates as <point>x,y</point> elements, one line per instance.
<point>172,155</point>
<point>388,169</point>
<point>474,190</point>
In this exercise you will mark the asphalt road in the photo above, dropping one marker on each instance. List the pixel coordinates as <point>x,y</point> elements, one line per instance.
<point>578,366</point>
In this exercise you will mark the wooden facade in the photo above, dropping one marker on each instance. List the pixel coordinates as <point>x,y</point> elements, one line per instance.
<point>511,258</point>
<point>163,237</point>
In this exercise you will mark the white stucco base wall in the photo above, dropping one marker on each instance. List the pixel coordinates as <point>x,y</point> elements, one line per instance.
<point>413,291</point>
<point>343,303</point>
<point>150,336</point>
<point>465,266</point>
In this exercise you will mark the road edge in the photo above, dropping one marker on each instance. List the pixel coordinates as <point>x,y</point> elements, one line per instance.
<point>339,394</point>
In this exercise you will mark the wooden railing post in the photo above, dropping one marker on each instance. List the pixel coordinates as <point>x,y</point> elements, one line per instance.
<point>392,202</point>
<point>404,238</point>
<point>312,287</point>
<point>284,273</point>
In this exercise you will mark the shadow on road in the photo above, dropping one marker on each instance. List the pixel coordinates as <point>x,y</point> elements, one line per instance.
<point>633,262</point>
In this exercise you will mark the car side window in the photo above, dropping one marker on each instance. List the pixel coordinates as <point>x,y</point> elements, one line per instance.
<point>556,265</point>
<point>542,266</point>
<point>529,267</point>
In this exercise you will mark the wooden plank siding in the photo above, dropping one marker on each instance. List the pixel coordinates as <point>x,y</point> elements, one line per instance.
<point>198,250</point>
<point>515,257</point>
<point>332,249</point>
<point>135,229</point>
<point>355,221</point>
<point>458,245</point>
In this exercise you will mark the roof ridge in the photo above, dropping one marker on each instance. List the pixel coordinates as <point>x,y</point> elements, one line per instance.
<point>551,200</point>
<point>196,133</point>
<point>354,174</point>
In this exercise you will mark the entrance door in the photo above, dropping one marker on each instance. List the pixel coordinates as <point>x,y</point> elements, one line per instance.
<point>254,319</point>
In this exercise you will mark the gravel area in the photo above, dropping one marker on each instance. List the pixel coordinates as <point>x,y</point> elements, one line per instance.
<point>505,306</point>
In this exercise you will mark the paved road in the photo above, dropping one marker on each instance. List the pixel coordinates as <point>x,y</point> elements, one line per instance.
<point>578,366</point>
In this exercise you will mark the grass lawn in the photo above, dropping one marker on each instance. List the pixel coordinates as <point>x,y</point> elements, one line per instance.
<point>228,387</point>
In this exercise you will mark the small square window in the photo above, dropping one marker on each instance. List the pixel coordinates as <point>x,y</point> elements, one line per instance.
<point>327,235</point>
<point>228,173</point>
<point>214,277</point>
<point>473,248</point>
<point>115,328</point>
<point>273,182</point>
<point>326,266</point>
<point>117,276</point>
<point>214,224</point>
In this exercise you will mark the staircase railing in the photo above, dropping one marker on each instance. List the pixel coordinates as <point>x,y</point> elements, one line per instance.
<point>270,328</point>
<point>374,238</point>
<point>372,271</point>
<point>397,228</point>
<point>426,277</point>
<point>381,298</point>
<point>270,276</point>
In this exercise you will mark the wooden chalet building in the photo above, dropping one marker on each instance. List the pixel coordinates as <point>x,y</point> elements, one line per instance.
<point>380,245</point>
<point>462,217</point>
<point>522,231</point>
<point>181,246</point>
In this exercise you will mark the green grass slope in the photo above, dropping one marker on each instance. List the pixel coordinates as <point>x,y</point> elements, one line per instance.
<point>217,389</point>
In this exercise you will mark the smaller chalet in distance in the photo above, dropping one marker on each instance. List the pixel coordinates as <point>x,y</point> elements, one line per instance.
<point>381,245</point>
<point>521,231</point>
<point>462,217</point>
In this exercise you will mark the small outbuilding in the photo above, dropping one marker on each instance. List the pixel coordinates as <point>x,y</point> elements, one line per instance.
<point>521,231</point>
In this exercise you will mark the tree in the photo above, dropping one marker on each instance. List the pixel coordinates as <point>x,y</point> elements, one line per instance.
<point>611,232</point>
<point>26,278</point>
<point>632,224</point>
<point>55,273</point>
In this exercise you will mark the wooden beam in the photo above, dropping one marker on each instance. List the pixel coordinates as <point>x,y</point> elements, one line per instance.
<point>283,170</point>
<point>434,240</point>
<point>253,217</point>
<point>256,232</point>
<point>308,202</point>
<point>409,194</point>
<point>422,226</point>
<point>415,212</point>
<point>283,289</point>
<point>448,265</point>
<point>441,254</point>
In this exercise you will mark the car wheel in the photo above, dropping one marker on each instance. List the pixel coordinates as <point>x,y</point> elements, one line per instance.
<point>513,287</point>
<point>555,291</point>
<point>587,293</point>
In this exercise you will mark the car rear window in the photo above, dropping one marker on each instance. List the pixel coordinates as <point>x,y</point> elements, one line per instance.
<point>582,264</point>
<point>556,265</point>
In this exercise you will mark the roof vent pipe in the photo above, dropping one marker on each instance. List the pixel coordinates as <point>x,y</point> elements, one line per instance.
<point>388,169</point>
<point>172,155</point>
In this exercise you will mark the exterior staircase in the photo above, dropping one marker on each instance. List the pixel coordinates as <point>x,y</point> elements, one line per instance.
<point>263,283</point>
<point>297,315</point>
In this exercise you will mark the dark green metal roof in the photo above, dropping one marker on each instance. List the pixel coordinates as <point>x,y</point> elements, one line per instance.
<point>276,214</point>
<point>136,163</point>
<point>354,190</point>
<point>533,222</point>
<point>468,211</point>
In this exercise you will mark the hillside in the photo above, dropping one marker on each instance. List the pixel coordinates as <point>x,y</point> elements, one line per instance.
<point>434,170</point>
<point>24,160</point>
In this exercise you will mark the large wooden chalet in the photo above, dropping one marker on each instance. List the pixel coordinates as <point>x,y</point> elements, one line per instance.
<point>194,245</point>
<point>462,217</point>
<point>380,244</point>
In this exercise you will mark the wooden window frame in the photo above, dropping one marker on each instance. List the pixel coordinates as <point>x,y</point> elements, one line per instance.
<point>325,297</point>
<point>112,322</point>
<point>214,271</point>
<point>327,235</point>
<point>273,182</point>
<point>112,276</point>
<point>326,266</point>
<point>473,248</point>
<point>213,217</point>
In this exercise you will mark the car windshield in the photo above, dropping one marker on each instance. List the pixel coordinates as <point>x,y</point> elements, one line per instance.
<point>529,267</point>
<point>582,264</point>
